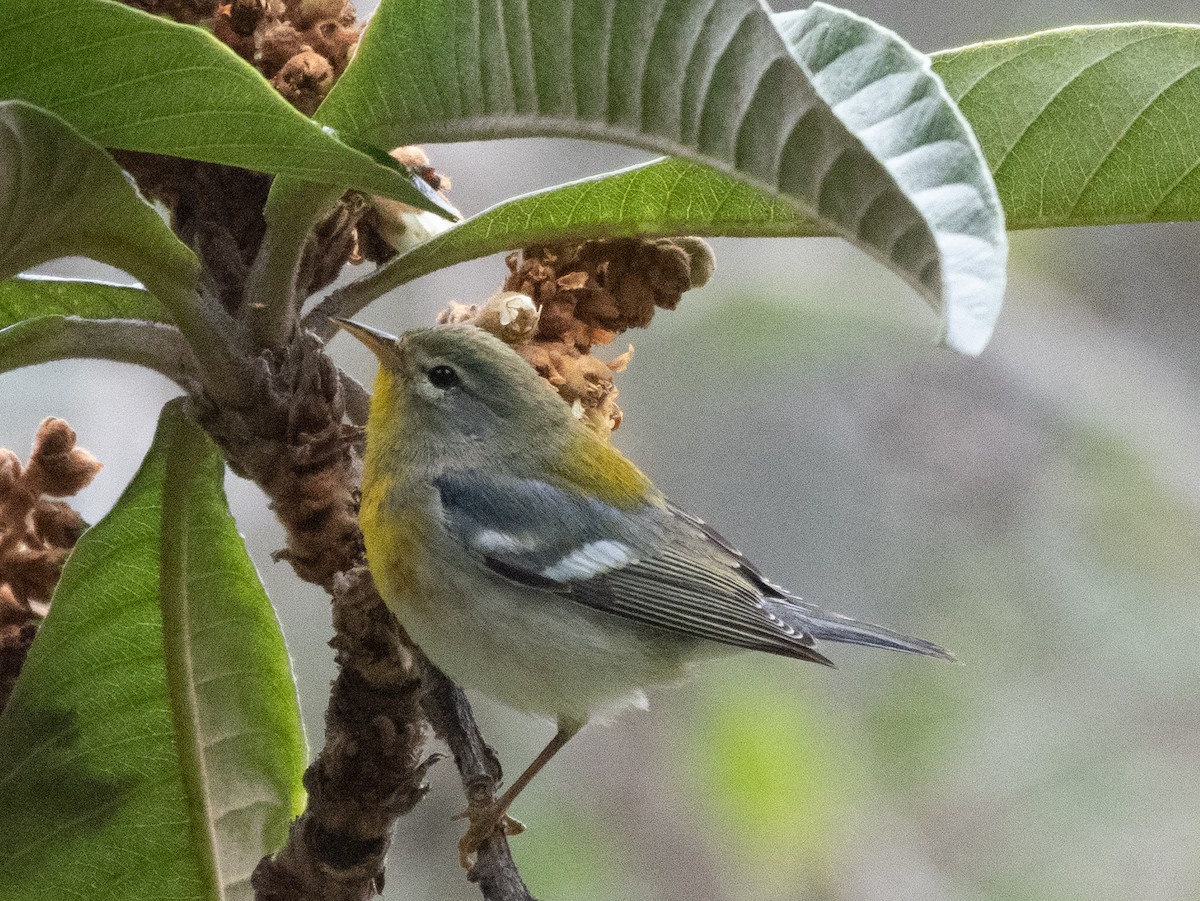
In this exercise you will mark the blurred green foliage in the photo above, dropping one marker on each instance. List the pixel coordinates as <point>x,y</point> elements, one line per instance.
<point>1138,529</point>
<point>777,778</point>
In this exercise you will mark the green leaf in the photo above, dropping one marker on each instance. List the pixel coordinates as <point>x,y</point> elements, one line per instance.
<point>711,81</point>
<point>28,297</point>
<point>1087,126</point>
<point>133,81</point>
<point>886,93</point>
<point>62,195</point>
<point>874,84</point>
<point>664,198</point>
<point>152,747</point>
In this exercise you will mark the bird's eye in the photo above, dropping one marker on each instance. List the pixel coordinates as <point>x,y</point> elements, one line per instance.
<point>443,377</point>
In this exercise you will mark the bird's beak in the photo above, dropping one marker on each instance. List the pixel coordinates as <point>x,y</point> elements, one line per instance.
<point>386,347</point>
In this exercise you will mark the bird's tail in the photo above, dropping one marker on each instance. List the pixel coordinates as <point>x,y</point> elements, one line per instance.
<point>825,626</point>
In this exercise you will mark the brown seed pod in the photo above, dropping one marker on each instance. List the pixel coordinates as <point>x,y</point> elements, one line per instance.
<point>561,301</point>
<point>304,80</point>
<point>278,42</point>
<point>36,535</point>
<point>56,466</point>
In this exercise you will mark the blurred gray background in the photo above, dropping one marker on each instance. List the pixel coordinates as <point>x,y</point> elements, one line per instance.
<point>1037,510</point>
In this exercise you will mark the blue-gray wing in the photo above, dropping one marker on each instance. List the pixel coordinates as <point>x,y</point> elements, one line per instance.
<point>656,565</point>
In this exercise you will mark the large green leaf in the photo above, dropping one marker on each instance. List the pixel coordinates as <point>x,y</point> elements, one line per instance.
<point>1087,126</point>
<point>886,93</point>
<point>1032,102</point>
<point>711,81</point>
<point>62,195</point>
<point>134,81</point>
<point>865,77</point>
<point>28,297</point>
<point>152,747</point>
<point>1081,126</point>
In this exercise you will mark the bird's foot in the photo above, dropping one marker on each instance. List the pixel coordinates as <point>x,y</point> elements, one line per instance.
<point>486,821</point>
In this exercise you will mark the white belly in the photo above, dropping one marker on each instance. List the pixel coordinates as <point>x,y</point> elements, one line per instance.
<point>537,651</point>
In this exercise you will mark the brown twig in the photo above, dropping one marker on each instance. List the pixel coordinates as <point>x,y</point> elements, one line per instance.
<point>372,768</point>
<point>450,715</point>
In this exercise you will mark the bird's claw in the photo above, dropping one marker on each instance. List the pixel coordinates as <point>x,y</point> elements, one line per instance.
<point>486,821</point>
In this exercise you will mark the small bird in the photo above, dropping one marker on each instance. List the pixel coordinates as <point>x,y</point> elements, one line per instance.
<point>529,559</point>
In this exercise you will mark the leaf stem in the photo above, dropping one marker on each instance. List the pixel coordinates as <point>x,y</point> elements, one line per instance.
<point>210,333</point>
<point>155,345</point>
<point>358,399</point>
<point>345,301</point>
<point>273,298</point>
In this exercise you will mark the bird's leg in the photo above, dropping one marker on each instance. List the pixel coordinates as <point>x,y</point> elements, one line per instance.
<point>488,819</point>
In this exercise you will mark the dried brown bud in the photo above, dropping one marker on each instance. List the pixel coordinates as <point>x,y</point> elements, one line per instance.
<point>416,161</point>
<point>53,437</point>
<point>509,316</point>
<point>15,641</point>
<point>456,313</point>
<point>192,12</point>
<point>245,15</point>
<point>32,574</point>
<point>334,40</point>
<point>701,263</point>
<point>223,29</point>
<point>305,12</point>
<point>277,43</point>
<point>10,470</point>
<point>589,293</point>
<point>304,80</point>
<point>621,362</point>
<point>11,609</point>
<point>585,295</point>
<point>57,524</point>
<point>56,466</point>
<point>410,156</point>
<point>36,533</point>
<point>582,380</point>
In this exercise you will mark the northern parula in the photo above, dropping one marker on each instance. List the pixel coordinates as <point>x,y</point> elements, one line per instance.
<point>529,559</point>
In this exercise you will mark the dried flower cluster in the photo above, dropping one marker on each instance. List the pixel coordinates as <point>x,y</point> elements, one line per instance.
<point>562,300</point>
<point>300,45</point>
<point>36,535</point>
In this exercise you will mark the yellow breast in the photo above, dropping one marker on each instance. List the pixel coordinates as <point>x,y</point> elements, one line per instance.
<point>397,550</point>
<point>393,525</point>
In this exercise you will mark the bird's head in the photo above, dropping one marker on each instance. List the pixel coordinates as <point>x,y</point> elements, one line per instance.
<point>458,392</point>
